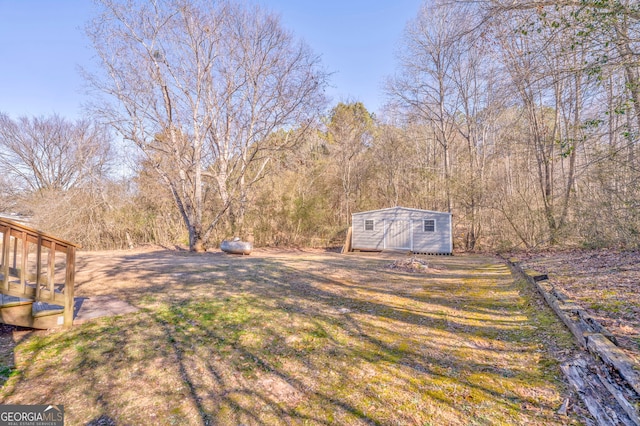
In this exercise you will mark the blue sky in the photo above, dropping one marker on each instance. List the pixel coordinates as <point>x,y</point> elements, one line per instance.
<point>42,44</point>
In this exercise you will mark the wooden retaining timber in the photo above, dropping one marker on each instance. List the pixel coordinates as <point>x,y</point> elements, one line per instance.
<point>37,274</point>
<point>608,381</point>
<point>346,248</point>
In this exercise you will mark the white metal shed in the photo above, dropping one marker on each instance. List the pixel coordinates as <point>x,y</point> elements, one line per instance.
<point>401,228</point>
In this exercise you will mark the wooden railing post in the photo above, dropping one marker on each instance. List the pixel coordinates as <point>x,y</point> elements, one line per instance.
<point>4,231</point>
<point>15,252</point>
<point>5,257</point>
<point>38,266</point>
<point>69,285</point>
<point>51,268</point>
<point>23,262</point>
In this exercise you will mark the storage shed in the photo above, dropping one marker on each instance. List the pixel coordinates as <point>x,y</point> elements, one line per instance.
<point>401,228</point>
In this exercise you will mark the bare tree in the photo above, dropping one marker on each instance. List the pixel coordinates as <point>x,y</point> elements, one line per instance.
<point>608,30</point>
<point>52,153</point>
<point>475,81</point>
<point>350,134</point>
<point>425,87</point>
<point>198,86</point>
<point>7,195</point>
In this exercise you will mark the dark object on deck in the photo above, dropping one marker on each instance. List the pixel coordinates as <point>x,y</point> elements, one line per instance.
<point>236,246</point>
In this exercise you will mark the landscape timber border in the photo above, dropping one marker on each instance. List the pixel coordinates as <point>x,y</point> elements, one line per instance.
<point>607,381</point>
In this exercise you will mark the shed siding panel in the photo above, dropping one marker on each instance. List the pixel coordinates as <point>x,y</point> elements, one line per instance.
<point>432,242</point>
<point>367,240</point>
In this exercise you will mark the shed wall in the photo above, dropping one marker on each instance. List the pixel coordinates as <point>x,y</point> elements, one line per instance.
<point>367,240</point>
<point>433,242</point>
<point>389,223</point>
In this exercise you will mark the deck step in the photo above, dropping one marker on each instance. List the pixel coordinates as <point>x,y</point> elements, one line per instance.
<point>17,314</point>
<point>26,313</point>
<point>7,301</point>
<point>40,309</point>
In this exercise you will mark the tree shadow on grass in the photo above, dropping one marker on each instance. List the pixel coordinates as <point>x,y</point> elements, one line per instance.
<point>103,420</point>
<point>274,340</point>
<point>10,337</point>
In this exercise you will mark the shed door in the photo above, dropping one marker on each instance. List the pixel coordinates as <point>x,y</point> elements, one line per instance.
<point>398,235</point>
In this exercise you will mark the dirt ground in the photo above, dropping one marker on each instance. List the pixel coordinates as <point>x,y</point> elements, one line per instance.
<point>604,282</point>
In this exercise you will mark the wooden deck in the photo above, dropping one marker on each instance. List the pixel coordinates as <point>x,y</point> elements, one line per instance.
<point>37,273</point>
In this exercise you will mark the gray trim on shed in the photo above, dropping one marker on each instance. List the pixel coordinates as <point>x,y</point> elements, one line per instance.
<point>401,228</point>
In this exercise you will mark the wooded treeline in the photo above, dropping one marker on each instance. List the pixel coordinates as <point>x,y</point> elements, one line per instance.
<point>522,118</point>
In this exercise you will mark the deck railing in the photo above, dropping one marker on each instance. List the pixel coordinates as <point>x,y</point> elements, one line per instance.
<point>37,267</point>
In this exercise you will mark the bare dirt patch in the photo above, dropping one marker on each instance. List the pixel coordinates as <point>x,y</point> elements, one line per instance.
<point>300,338</point>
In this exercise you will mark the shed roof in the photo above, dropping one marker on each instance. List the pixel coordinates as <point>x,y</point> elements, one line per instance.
<point>400,208</point>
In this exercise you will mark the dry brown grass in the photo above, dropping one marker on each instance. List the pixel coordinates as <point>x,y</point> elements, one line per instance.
<point>300,338</point>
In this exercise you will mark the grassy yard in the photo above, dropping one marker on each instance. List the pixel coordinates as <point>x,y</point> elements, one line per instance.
<point>299,338</point>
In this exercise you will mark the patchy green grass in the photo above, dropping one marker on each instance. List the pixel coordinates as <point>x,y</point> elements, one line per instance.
<point>301,339</point>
